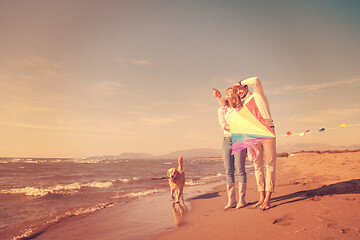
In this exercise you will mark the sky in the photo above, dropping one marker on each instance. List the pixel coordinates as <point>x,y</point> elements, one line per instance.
<point>83,78</point>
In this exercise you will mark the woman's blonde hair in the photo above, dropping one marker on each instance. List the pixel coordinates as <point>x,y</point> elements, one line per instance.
<point>235,101</point>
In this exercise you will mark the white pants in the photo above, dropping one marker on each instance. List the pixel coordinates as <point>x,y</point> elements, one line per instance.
<point>267,155</point>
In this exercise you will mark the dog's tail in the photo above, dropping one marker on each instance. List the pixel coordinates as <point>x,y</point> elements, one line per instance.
<point>181,163</point>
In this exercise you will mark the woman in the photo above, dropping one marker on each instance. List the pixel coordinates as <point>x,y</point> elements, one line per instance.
<point>234,164</point>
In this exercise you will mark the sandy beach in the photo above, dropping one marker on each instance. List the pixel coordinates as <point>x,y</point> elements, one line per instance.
<point>317,197</point>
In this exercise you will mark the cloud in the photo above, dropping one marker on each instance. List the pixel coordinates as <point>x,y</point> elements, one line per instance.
<point>138,62</point>
<point>33,82</point>
<point>312,87</point>
<point>160,120</point>
<point>108,87</point>
<point>35,62</point>
<point>27,72</point>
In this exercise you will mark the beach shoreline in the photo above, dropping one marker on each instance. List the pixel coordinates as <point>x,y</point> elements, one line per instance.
<point>142,218</point>
<point>316,195</point>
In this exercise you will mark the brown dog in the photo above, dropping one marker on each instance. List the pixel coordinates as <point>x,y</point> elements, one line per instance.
<point>177,180</point>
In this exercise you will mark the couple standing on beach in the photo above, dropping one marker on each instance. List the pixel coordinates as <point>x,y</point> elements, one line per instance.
<point>235,97</point>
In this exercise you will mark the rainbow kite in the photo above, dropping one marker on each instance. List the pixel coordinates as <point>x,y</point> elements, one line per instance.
<point>248,127</point>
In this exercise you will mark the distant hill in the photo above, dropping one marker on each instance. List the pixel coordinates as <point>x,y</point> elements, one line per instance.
<point>135,155</point>
<point>125,155</point>
<point>216,153</point>
<point>189,153</point>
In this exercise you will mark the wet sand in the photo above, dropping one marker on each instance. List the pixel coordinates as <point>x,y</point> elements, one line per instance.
<point>140,219</point>
<point>317,197</point>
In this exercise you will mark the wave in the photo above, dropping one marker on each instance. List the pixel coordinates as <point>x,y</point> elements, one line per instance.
<point>28,233</point>
<point>30,160</point>
<point>212,177</point>
<point>89,161</point>
<point>127,180</point>
<point>203,180</point>
<point>98,160</point>
<point>140,194</point>
<point>58,189</point>
<point>193,183</point>
<point>67,188</point>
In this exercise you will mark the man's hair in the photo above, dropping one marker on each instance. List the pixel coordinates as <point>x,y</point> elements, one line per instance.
<point>237,87</point>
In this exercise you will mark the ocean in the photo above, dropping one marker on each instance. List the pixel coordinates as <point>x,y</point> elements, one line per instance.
<point>37,193</point>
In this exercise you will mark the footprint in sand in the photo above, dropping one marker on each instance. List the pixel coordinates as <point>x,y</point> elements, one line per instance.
<point>285,220</point>
<point>316,198</point>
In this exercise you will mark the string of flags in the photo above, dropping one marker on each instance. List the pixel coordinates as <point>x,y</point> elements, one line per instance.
<point>290,133</point>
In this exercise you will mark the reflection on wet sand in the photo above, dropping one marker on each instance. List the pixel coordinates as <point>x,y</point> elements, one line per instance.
<point>179,211</point>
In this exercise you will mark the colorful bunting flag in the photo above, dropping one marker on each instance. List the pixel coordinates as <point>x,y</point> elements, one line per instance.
<point>303,133</point>
<point>344,125</point>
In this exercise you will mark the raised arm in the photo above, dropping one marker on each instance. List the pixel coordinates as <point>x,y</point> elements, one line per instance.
<point>221,100</point>
<point>255,83</point>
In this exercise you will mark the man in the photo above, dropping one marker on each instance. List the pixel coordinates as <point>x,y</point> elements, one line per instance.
<point>267,148</point>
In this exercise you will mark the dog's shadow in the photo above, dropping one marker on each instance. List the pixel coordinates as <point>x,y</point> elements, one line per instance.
<point>347,187</point>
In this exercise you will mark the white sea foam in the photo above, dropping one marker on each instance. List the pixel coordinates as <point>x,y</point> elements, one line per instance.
<point>203,180</point>
<point>142,193</point>
<point>12,160</point>
<point>59,189</point>
<point>192,183</point>
<point>212,177</point>
<point>84,210</point>
<point>30,160</point>
<point>99,184</point>
<point>27,233</point>
<point>126,180</point>
<point>87,160</point>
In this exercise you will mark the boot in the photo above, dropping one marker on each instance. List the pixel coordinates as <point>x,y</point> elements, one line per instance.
<point>242,193</point>
<point>231,195</point>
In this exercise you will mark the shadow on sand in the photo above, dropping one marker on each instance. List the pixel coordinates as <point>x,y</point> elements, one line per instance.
<point>347,187</point>
<point>206,196</point>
